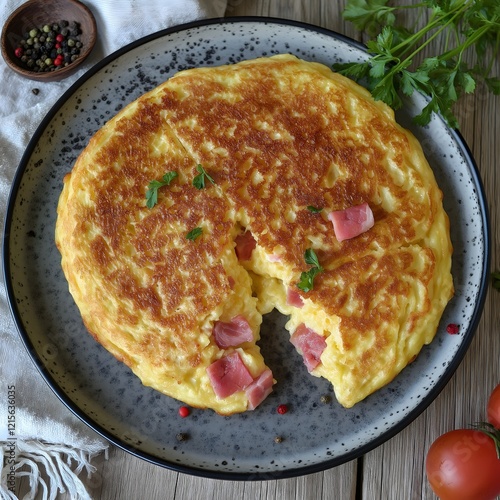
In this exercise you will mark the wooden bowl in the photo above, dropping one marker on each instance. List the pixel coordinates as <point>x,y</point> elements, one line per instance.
<point>37,13</point>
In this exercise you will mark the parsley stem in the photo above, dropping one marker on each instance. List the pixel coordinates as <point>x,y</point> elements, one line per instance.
<point>413,39</point>
<point>471,40</point>
<point>425,30</point>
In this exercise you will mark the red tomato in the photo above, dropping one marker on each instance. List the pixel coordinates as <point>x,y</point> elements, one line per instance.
<point>494,407</point>
<point>463,465</point>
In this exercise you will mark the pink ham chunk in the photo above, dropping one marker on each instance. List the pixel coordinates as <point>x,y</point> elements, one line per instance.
<point>293,298</point>
<point>259,389</point>
<point>352,221</point>
<point>229,375</point>
<point>232,333</point>
<point>310,345</point>
<point>245,243</point>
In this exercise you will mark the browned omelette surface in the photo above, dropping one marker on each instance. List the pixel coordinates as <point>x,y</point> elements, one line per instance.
<point>276,135</point>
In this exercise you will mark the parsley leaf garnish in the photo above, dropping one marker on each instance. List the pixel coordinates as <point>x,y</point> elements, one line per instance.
<point>307,277</point>
<point>314,210</point>
<point>194,233</point>
<point>391,70</point>
<point>153,186</point>
<point>199,180</point>
<point>368,15</point>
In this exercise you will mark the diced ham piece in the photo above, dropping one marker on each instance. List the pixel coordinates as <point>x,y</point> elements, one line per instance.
<point>229,375</point>
<point>245,243</point>
<point>352,221</point>
<point>232,333</point>
<point>310,344</point>
<point>259,389</point>
<point>293,298</point>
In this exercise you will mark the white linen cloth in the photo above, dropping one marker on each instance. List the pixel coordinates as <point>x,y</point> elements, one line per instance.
<point>51,445</point>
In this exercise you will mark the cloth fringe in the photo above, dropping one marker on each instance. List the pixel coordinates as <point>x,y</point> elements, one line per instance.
<point>42,463</point>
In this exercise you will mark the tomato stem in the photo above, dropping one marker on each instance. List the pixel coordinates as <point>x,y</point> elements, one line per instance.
<point>492,432</point>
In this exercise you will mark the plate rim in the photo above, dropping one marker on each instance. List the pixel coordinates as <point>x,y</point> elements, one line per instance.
<point>193,470</point>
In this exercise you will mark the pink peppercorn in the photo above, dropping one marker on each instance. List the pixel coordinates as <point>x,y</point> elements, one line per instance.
<point>60,38</point>
<point>184,411</point>
<point>452,329</point>
<point>282,409</point>
<point>19,52</point>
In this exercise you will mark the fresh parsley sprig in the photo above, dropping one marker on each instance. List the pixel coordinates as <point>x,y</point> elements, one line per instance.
<point>199,180</point>
<point>194,233</point>
<point>391,71</point>
<point>153,186</point>
<point>306,282</point>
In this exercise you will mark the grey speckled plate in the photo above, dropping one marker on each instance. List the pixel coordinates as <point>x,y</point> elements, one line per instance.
<point>105,394</point>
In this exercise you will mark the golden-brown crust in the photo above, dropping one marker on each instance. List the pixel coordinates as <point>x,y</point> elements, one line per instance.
<point>276,135</point>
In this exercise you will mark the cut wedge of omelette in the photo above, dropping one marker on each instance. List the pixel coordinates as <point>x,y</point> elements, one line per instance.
<point>266,171</point>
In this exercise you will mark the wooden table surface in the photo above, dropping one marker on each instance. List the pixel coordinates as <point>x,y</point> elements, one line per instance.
<point>394,470</point>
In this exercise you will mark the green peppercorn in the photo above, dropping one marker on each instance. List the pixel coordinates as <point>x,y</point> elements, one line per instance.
<point>48,61</point>
<point>71,42</point>
<point>33,33</point>
<point>46,28</point>
<point>29,41</point>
